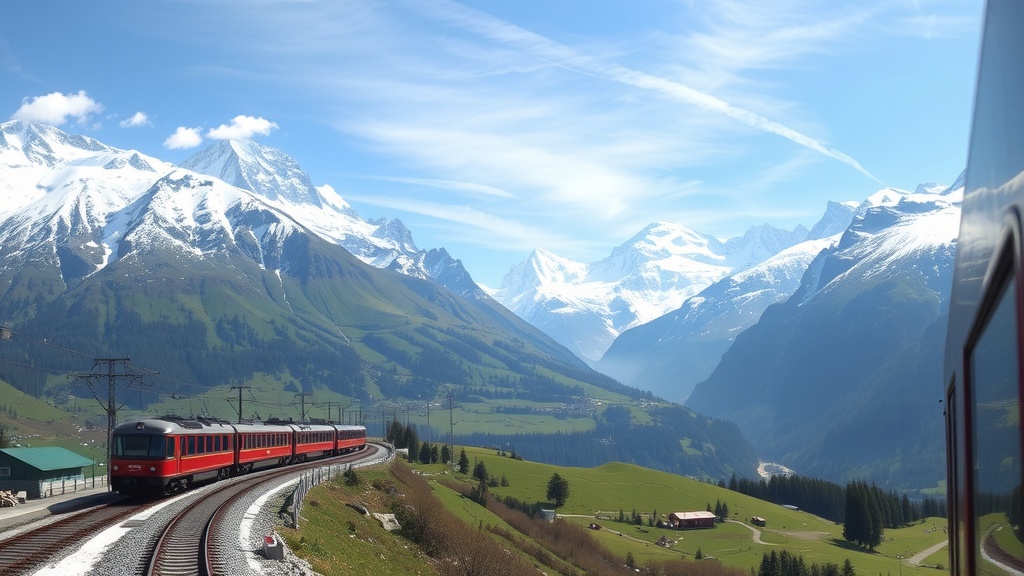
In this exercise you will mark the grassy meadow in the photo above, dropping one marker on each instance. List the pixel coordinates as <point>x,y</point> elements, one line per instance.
<point>597,495</point>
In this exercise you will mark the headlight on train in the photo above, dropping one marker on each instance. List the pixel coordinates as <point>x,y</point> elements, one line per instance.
<point>115,467</point>
<point>152,468</point>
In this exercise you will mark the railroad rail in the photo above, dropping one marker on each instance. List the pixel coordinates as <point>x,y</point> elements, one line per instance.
<point>191,546</point>
<point>21,553</point>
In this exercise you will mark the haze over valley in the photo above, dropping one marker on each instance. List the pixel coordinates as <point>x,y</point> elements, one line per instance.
<point>234,268</point>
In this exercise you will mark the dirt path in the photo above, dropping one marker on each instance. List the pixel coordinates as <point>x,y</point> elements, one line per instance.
<point>757,533</point>
<point>916,559</point>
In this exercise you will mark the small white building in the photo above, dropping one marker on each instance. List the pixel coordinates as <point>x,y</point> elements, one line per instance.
<point>548,515</point>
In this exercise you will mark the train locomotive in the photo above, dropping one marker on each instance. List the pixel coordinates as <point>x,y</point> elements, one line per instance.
<point>984,374</point>
<point>169,454</point>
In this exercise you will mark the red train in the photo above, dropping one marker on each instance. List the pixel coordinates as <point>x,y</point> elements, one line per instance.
<point>167,454</point>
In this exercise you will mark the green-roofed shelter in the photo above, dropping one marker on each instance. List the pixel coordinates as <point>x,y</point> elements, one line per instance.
<point>25,469</point>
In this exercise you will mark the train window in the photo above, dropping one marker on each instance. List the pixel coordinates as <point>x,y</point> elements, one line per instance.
<point>191,446</point>
<point>169,452</point>
<point>994,386</point>
<point>139,446</point>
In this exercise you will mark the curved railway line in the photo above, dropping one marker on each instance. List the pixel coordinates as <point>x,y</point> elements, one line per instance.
<point>200,539</point>
<point>49,541</point>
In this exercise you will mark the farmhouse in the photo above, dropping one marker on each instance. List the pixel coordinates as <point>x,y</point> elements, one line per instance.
<point>758,521</point>
<point>684,520</point>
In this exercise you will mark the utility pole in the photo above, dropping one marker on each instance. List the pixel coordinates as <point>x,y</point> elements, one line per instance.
<point>111,375</point>
<point>303,395</point>
<point>240,388</point>
<point>451,429</point>
<point>428,421</point>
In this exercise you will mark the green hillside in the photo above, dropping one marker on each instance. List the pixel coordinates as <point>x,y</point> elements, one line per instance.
<point>597,495</point>
<point>339,333</point>
<point>31,422</point>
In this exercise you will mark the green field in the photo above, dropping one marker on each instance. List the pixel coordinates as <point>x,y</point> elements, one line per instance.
<point>598,494</point>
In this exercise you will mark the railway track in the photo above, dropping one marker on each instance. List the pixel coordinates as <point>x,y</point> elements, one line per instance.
<point>21,553</point>
<point>192,543</point>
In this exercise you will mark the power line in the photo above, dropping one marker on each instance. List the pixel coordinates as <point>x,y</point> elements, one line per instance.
<point>6,333</point>
<point>111,375</point>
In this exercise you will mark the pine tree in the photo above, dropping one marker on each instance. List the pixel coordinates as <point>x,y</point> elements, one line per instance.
<point>396,434</point>
<point>480,471</point>
<point>412,442</point>
<point>463,462</point>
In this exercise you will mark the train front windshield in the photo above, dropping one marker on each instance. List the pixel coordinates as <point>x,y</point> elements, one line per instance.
<point>143,447</point>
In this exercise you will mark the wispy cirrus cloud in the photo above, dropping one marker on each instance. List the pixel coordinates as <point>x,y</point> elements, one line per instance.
<point>485,229</point>
<point>549,50</point>
<point>469,188</point>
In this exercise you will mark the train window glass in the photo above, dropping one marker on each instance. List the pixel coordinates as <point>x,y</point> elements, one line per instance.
<point>157,447</point>
<point>994,386</point>
<point>216,443</point>
<point>191,446</point>
<point>138,446</point>
<point>169,452</point>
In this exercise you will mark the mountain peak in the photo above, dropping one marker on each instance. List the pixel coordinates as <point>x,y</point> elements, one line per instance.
<point>45,145</point>
<point>266,171</point>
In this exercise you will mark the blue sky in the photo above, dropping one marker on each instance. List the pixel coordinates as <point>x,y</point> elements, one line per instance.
<point>494,127</point>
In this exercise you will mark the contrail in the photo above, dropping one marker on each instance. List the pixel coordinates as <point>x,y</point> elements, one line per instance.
<point>565,57</point>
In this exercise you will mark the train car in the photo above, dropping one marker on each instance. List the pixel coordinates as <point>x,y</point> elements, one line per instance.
<point>349,438</point>
<point>262,445</point>
<point>158,455</point>
<point>984,374</point>
<point>314,441</point>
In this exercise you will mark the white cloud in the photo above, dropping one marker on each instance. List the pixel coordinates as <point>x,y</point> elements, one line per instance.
<point>480,228</point>
<point>242,128</point>
<point>470,188</point>
<point>544,48</point>
<point>137,119</point>
<point>56,108</point>
<point>184,138</point>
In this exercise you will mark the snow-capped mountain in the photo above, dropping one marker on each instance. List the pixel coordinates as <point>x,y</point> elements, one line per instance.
<point>109,252</point>
<point>586,306</point>
<point>63,198</point>
<point>829,381</point>
<point>277,178</point>
<point>671,354</point>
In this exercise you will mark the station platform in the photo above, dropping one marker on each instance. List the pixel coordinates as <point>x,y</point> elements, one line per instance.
<point>60,504</point>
